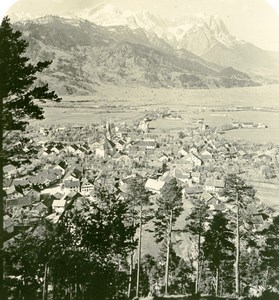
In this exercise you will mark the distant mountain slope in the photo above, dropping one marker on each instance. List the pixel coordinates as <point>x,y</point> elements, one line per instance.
<point>85,55</point>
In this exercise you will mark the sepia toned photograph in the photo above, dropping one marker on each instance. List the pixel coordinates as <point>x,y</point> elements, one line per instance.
<point>139,150</point>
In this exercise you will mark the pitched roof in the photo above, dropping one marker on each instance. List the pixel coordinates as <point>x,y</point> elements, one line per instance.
<point>71,183</point>
<point>206,196</point>
<point>20,202</point>
<point>59,203</point>
<point>219,183</point>
<point>154,184</point>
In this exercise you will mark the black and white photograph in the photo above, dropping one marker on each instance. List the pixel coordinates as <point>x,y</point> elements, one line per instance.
<point>139,150</point>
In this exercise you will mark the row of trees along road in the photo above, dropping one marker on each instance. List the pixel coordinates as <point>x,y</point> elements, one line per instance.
<point>86,254</point>
<point>18,95</point>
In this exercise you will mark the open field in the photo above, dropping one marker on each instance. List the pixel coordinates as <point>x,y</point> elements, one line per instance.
<point>128,104</point>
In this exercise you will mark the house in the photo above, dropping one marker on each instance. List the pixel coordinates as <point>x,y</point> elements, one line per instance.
<point>247,125</point>
<point>9,171</point>
<point>217,205</point>
<point>261,125</point>
<point>195,159</point>
<point>120,145</point>
<point>164,158</point>
<point>206,196</point>
<point>73,175</point>
<point>196,177</point>
<point>57,149</point>
<point>72,185</point>
<point>19,202</point>
<point>154,185</point>
<point>100,151</point>
<point>34,194</point>
<point>40,182</point>
<point>14,192</point>
<point>59,206</point>
<point>8,224</point>
<point>182,174</point>
<point>125,159</point>
<point>147,144</point>
<point>53,218</point>
<point>21,183</point>
<point>235,124</point>
<point>192,191</point>
<point>80,152</point>
<point>87,186</point>
<point>214,185</point>
<point>62,165</point>
<point>71,149</point>
<point>182,152</point>
<point>116,156</point>
<point>205,154</point>
<point>72,196</point>
<point>40,208</point>
<point>193,149</point>
<point>143,126</point>
<point>46,152</point>
<point>7,182</point>
<point>94,146</point>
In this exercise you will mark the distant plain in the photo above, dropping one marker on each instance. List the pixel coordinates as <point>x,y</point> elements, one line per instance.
<point>132,103</point>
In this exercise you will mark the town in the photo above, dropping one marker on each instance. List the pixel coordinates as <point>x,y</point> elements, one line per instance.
<point>60,166</point>
<point>139,152</point>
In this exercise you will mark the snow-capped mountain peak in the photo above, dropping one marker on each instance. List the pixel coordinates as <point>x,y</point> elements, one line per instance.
<point>181,33</point>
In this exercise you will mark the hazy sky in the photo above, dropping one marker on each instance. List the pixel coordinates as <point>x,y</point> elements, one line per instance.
<point>256,21</point>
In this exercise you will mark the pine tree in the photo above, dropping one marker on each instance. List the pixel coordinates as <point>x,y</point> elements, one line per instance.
<point>217,246</point>
<point>18,96</point>
<point>169,209</point>
<point>141,206</point>
<point>239,194</point>
<point>195,225</point>
<point>270,253</point>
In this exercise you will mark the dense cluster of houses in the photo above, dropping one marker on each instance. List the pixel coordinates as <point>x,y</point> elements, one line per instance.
<point>69,171</point>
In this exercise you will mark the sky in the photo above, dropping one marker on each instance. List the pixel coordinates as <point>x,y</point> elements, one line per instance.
<point>255,21</point>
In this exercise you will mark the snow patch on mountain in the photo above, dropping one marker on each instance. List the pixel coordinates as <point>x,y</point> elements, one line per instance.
<point>180,33</point>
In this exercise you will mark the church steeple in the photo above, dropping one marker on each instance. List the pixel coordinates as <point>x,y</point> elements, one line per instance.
<point>108,130</point>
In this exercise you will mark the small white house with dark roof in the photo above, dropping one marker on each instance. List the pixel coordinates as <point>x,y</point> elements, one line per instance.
<point>154,185</point>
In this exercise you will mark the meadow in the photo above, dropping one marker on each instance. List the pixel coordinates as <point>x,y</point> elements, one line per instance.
<point>133,103</point>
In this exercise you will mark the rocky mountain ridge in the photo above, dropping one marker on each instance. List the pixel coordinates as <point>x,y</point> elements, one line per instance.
<point>85,55</point>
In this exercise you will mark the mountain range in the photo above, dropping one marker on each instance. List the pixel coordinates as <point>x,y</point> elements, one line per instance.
<point>205,36</point>
<point>106,45</point>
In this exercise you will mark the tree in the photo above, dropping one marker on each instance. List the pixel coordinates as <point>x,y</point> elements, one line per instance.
<point>270,253</point>
<point>141,209</point>
<point>169,209</point>
<point>91,242</point>
<point>26,257</point>
<point>239,194</point>
<point>195,224</point>
<point>18,97</point>
<point>217,246</point>
<point>101,235</point>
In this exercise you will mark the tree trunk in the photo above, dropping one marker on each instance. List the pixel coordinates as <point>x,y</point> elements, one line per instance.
<point>168,255</point>
<point>237,280</point>
<point>45,287</point>
<point>2,293</point>
<point>198,266</point>
<point>217,282</point>
<point>139,252</point>
<point>130,274</point>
